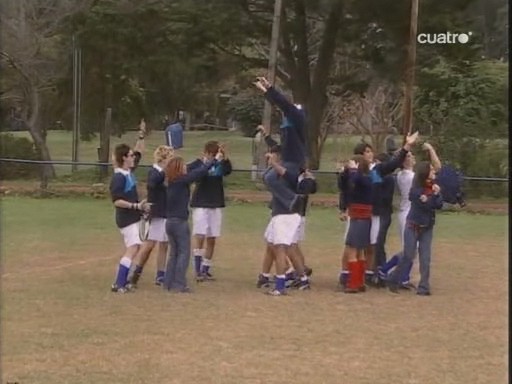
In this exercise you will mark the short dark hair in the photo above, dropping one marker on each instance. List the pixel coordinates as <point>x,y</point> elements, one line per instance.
<point>361,147</point>
<point>211,147</point>
<point>121,151</point>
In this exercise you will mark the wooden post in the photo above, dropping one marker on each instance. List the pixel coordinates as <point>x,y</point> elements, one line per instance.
<point>410,69</point>
<point>271,76</point>
<point>104,149</point>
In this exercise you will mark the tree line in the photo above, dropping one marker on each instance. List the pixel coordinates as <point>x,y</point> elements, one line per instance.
<point>342,59</point>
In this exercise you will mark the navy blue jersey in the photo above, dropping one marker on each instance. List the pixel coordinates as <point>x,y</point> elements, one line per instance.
<point>123,186</point>
<point>178,191</point>
<point>209,190</point>
<point>423,214</point>
<point>157,191</point>
<point>292,130</point>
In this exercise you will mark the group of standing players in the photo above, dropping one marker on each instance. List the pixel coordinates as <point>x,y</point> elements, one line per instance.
<point>366,188</point>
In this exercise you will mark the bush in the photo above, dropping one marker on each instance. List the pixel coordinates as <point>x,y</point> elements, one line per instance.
<point>12,147</point>
<point>247,109</point>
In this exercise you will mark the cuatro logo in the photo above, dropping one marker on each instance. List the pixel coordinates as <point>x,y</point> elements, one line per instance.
<point>444,38</point>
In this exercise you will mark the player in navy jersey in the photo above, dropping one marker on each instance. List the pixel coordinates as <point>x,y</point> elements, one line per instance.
<point>157,198</point>
<point>207,202</point>
<point>178,232</point>
<point>378,170</point>
<point>293,145</point>
<point>128,208</point>
<point>298,272</point>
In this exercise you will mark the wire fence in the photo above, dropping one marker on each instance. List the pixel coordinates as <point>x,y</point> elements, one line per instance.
<point>23,172</point>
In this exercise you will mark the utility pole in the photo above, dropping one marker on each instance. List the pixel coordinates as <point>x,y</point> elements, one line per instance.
<point>410,69</point>
<point>259,158</point>
<point>77,93</point>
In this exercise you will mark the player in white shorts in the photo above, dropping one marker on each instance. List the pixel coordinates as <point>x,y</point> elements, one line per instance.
<point>156,235</point>
<point>208,202</point>
<point>123,191</point>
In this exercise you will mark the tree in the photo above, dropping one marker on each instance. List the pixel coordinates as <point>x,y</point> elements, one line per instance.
<point>464,107</point>
<point>32,50</point>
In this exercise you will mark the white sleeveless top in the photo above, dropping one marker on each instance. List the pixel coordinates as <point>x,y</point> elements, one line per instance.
<point>404,182</point>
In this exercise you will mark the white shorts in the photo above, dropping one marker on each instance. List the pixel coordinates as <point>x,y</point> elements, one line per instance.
<point>374,230</point>
<point>131,235</point>
<point>301,231</point>
<point>157,230</point>
<point>282,229</point>
<point>207,221</point>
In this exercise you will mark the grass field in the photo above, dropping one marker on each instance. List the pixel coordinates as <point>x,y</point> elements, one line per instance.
<point>240,148</point>
<point>60,323</point>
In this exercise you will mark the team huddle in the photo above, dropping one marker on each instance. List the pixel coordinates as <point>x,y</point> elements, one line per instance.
<point>366,187</point>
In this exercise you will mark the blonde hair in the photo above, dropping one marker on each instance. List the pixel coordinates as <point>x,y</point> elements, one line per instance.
<point>163,152</point>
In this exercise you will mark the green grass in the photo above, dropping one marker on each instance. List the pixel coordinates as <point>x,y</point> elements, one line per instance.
<point>240,148</point>
<point>61,324</point>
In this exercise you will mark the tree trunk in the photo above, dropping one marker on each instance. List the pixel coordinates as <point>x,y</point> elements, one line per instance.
<point>317,100</point>
<point>47,170</point>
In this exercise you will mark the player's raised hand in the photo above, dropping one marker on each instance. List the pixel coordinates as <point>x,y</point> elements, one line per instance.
<point>219,156</point>
<point>410,140</point>
<point>264,81</point>
<point>352,164</point>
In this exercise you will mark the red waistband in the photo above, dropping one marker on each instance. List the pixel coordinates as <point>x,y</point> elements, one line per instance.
<point>360,211</point>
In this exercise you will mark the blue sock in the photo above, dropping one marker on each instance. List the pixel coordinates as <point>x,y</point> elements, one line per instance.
<point>122,272</point>
<point>280,282</point>
<point>138,270</point>
<point>344,277</point>
<point>390,264</point>
<point>205,266</point>
<point>197,263</point>
<point>290,276</point>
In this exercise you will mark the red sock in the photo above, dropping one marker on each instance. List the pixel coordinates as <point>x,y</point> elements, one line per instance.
<point>361,272</point>
<point>353,278</point>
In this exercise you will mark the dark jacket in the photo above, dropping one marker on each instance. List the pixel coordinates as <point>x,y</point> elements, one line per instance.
<point>178,191</point>
<point>423,214</point>
<point>292,130</point>
<point>209,190</point>
<point>157,191</point>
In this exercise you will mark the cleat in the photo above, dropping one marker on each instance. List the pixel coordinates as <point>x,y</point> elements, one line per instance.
<point>263,282</point>
<point>295,283</point>
<point>159,281</point>
<point>275,292</point>
<point>408,286</point>
<point>304,285</point>
<point>116,289</point>
<point>208,277</point>
<point>134,279</point>
<point>308,271</point>
<point>200,278</point>
<point>423,293</point>
<point>362,288</point>
<point>393,289</point>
